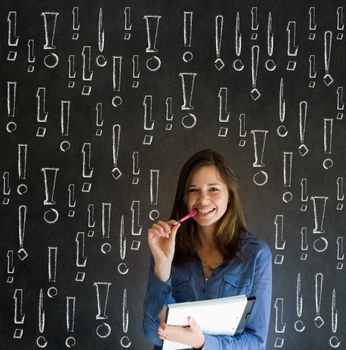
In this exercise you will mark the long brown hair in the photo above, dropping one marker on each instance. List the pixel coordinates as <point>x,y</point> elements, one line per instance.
<point>227,236</point>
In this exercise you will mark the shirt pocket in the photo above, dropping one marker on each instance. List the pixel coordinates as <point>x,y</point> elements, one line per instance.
<point>235,284</point>
<point>181,288</point>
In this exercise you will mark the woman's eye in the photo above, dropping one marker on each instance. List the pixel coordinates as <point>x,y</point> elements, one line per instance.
<point>214,189</point>
<point>192,189</point>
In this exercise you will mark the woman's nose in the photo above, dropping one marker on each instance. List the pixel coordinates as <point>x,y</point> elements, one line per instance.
<point>203,198</point>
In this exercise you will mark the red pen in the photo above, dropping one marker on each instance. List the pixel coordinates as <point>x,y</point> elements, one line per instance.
<point>190,215</point>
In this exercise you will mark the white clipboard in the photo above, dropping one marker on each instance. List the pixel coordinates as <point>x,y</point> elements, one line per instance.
<point>222,316</point>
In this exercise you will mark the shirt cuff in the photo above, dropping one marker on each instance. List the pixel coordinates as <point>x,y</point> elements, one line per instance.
<point>160,290</point>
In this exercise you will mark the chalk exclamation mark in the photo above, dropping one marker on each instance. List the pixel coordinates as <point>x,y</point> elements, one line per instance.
<point>255,50</point>
<point>125,341</point>
<point>340,24</point>
<point>41,341</point>
<point>70,320</point>
<point>319,322</point>
<point>259,141</point>
<point>327,144</point>
<point>282,130</point>
<point>65,109</point>
<point>312,71</point>
<point>280,325</point>
<point>71,71</point>
<point>75,23</point>
<point>312,23</point>
<point>280,241</point>
<point>148,119</point>
<point>122,266</point>
<point>49,176</point>
<point>99,119</point>
<point>340,104</point>
<point>224,113</point>
<point>6,188</point>
<point>292,48</point>
<point>102,290</point>
<point>304,245</point>
<point>87,72</point>
<point>22,165</point>
<point>106,226</point>
<point>270,63</point>
<point>91,220</point>
<point>22,211</point>
<point>340,195</point>
<point>87,168</point>
<point>135,168</point>
<point>31,55</point>
<point>127,23</point>
<point>242,130</point>
<point>71,200</point>
<point>169,113</point>
<point>154,193</point>
<point>11,105</point>
<point>52,268</point>
<point>152,24</point>
<point>238,63</point>
<point>188,84</point>
<point>254,23</point>
<point>10,266</point>
<point>340,253</point>
<point>304,196</point>
<point>328,37</point>
<point>81,259</point>
<point>116,172</point>
<point>101,60</point>
<point>299,325</point>
<point>334,341</point>
<point>12,38</point>
<point>303,107</point>
<point>117,68</point>
<point>319,207</point>
<point>287,175</point>
<point>218,63</point>
<point>49,20</point>
<point>135,71</point>
<point>19,317</point>
<point>188,17</point>
<point>136,227</point>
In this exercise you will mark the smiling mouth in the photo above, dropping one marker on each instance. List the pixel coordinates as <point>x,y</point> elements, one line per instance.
<point>205,211</point>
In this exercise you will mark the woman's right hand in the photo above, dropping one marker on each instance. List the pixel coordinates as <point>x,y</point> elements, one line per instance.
<point>161,239</point>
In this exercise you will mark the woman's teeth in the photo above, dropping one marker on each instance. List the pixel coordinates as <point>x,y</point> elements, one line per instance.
<point>205,211</point>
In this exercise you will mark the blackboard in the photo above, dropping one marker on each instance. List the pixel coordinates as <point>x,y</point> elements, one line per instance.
<point>101,104</point>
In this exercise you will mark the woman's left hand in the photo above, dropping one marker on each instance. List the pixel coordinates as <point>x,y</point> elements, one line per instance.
<point>191,335</point>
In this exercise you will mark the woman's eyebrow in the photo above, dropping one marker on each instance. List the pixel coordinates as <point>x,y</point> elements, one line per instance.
<point>212,184</point>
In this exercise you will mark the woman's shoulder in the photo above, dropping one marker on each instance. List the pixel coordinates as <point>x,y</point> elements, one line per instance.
<point>250,241</point>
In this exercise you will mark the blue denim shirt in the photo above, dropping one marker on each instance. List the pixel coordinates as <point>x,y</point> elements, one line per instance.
<point>250,273</point>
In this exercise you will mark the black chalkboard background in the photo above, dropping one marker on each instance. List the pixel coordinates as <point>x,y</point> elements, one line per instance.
<point>101,104</point>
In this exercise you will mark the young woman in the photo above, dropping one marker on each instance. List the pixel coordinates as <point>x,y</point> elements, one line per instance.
<point>208,256</point>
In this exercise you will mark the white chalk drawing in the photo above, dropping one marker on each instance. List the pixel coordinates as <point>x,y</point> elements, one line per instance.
<point>154,193</point>
<point>117,70</point>
<point>75,23</point>
<point>340,253</point>
<point>87,72</point>
<point>71,199</point>
<point>340,104</point>
<point>254,23</point>
<point>50,20</point>
<point>71,71</point>
<point>135,71</point>
<point>87,169</point>
<point>299,325</point>
<point>116,172</point>
<point>122,267</point>
<point>327,142</point>
<point>12,38</point>
<point>22,166</point>
<point>280,325</point>
<point>52,263</point>
<point>136,227</point>
<point>169,113</point>
<point>282,130</point>
<point>10,266</point>
<point>42,114</point>
<point>188,83</point>
<point>319,205</point>
<point>318,320</point>
<point>304,245</point>
<point>334,341</point>
<point>127,23</point>
<point>19,316</point>
<point>148,118</point>
<point>304,196</point>
<point>328,38</point>
<point>270,63</point>
<point>188,19</point>
<point>287,175</point>
<point>312,71</point>
<point>340,24</point>
<point>312,23</point>
<point>106,226</point>
<point>102,291</point>
<point>31,57</point>
<point>224,113</point>
<point>11,105</point>
<point>340,194</point>
<point>6,188</point>
<point>242,129</point>
<point>259,141</point>
<point>218,63</point>
<point>100,59</point>
<point>70,320</point>
<point>65,109</point>
<point>135,168</point>
<point>125,341</point>
<point>255,51</point>
<point>280,241</point>
<point>303,107</point>
<point>49,175</point>
<point>292,48</point>
<point>91,216</point>
<point>238,63</point>
<point>41,341</point>
<point>99,119</point>
<point>81,259</point>
<point>22,212</point>
<point>152,24</point>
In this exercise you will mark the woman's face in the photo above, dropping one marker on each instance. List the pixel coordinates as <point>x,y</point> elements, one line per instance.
<point>208,193</point>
